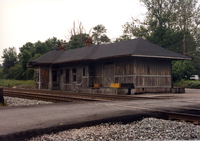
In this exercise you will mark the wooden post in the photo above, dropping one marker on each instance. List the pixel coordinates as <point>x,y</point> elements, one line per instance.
<point>1,96</point>
<point>184,45</point>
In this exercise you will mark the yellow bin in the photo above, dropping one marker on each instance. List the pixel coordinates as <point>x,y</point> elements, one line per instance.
<point>97,85</point>
<point>115,85</point>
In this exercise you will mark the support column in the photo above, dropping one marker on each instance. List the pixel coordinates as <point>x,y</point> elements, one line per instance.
<point>50,78</point>
<point>1,96</point>
<point>39,78</point>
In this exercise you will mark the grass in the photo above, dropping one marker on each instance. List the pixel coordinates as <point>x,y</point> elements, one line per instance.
<point>5,103</point>
<point>11,83</point>
<point>188,84</point>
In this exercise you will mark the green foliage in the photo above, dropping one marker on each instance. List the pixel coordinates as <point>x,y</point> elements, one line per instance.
<point>30,74</point>
<point>99,36</point>
<point>10,58</point>
<point>166,23</point>
<point>1,73</point>
<point>182,70</point>
<point>122,38</point>
<point>77,41</point>
<point>171,24</point>
<point>16,72</point>
<point>188,84</point>
<point>15,67</point>
<point>11,83</point>
<point>77,36</point>
<point>1,105</point>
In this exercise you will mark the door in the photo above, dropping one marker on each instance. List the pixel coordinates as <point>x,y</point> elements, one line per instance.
<point>108,75</point>
<point>74,81</point>
<point>44,79</point>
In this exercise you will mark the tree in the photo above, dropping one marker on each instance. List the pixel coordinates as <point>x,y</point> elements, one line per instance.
<point>16,72</point>
<point>77,41</point>
<point>122,38</point>
<point>78,36</point>
<point>172,24</point>
<point>15,66</point>
<point>166,23</point>
<point>182,69</point>
<point>99,36</point>
<point>10,58</point>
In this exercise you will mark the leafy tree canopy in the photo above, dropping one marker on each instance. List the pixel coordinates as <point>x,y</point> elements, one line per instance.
<point>182,70</point>
<point>10,58</point>
<point>99,36</point>
<point>14,63</point>
<point>168,23</point>
<point>172,24</point>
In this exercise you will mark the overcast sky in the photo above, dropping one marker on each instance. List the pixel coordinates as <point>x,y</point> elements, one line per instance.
<point>24,21</point>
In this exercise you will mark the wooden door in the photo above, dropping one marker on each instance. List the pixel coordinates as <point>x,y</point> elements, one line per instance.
<point>108,75</point>
<point>44,79</point>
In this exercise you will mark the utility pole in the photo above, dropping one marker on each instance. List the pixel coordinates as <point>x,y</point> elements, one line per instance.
<point>184,45</point>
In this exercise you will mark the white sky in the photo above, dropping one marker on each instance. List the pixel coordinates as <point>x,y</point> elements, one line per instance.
<point>24,21</point>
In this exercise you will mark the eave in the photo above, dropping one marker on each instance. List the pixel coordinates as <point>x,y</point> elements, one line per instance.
<point>163,57</point>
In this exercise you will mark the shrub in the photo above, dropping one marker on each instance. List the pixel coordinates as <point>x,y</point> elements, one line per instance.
<point>188,84</point>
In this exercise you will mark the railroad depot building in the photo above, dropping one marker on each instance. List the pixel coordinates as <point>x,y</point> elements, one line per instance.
<point>125,67</point>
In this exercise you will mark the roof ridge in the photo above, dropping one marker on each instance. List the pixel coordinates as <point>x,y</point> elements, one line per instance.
<point>96,51</point>
<point>138,41</point>
<point>58,57</point>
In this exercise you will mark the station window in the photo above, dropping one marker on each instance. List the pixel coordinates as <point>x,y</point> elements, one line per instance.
<point>74,74</point>
<point>67,76</point>
<point>74,78</point>
<point>54,75</point>
<point>74,70</point>
<point>84,71</point>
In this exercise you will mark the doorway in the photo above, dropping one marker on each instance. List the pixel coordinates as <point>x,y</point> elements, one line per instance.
<point>108,74</point>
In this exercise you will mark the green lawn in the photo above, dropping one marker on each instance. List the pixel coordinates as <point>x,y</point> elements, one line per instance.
<point>11,83</point>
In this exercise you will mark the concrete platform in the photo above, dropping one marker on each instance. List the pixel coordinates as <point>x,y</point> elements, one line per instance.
<point>17,123</point>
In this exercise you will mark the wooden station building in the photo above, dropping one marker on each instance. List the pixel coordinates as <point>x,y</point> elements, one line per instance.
<point>125,67</point>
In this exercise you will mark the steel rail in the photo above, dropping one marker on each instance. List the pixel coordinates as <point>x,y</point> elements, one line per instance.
<point>57,96</point>
<point>46,97</point>
<point>83,95</point>
<point>183,117</point>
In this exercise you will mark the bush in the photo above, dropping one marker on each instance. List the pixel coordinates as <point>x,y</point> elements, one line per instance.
<point>30,74</point>
<point>15,72</point>
<point>188,84</point>
<point>182,70</point>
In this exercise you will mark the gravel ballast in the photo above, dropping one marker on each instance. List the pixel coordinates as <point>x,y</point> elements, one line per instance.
<point>146,129</point>
<point>12,101</point>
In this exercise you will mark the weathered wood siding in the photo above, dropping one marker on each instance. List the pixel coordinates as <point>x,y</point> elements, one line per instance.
<point>153,73</point>
<point>114,71</point>
<point>145,73</point>
<point>42,77</point>
<point>124,71</point>
<point>72,77</point>
<point>98,73</point>
<point>142,72</point>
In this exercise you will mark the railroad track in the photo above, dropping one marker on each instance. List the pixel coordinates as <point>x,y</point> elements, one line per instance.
<point>195,119</point>
<point>186,114</point>
<point>93,97</point>
<point>46,97</point>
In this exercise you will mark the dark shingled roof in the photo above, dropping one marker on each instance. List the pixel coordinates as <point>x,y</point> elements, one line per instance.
<point>49,57</point>
<point>136,47</point>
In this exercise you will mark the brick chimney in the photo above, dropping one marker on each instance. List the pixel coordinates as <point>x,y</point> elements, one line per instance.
<point>88,41</point>
<point>62,47</point>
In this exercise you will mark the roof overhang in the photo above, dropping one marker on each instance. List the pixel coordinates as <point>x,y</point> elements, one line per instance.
<point>163,57</point>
